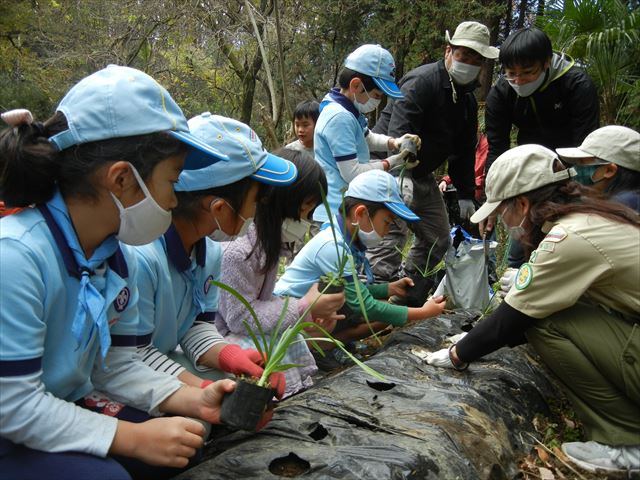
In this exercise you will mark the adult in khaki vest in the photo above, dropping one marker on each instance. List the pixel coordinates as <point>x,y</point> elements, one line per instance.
<point>576,300</point>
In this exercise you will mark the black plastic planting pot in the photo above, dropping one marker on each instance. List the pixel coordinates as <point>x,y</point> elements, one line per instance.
<point>334,288</point>
<point>243,408</point>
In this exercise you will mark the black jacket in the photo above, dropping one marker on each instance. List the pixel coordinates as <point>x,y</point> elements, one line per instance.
<point>560,114</point>
<point>448,130</point>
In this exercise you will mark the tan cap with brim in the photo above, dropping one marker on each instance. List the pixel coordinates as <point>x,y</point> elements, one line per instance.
<point>613,144</point>
<point>475,36</point>
<point>517,171</point>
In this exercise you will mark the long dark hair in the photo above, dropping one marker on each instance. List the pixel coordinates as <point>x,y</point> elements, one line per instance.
<point>284,202</point>
<point>557,200</point>
<point>31,167</point>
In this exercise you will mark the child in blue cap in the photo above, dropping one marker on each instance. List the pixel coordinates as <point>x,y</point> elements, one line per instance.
<point>371,203</point>
<point>178,303</point>
<point>342,139</point>
<point>100,170</point>
<point>250,265</point>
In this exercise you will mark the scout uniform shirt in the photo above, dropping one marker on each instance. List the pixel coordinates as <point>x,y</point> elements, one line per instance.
<point>582,254</point>
<point>51,349</point>
<point>339,136</point>
<point>177,300</point>
<point>319,257</point>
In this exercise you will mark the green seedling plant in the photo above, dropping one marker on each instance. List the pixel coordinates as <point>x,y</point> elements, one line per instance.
<point>425,272</point>
<point>273,345</point>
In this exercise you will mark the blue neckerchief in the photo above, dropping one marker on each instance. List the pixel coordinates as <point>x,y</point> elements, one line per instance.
<point>335,95</point>
<point>358,251</point>
<point>91,303</point>
<point>182,261</point>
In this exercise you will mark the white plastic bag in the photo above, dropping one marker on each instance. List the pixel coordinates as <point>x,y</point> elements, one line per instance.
<point>466,281</point>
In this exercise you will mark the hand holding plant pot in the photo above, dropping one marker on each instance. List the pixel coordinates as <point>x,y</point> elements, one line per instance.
<point>324,305</point>
<point>210,402</point>
<point>246,408</point>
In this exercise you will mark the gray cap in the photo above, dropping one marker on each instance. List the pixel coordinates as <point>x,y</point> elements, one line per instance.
<point>613,144</point>
<point>475,36</point>
<point>517,171</point>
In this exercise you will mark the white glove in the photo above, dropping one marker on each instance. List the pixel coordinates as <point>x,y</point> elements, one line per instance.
<point>408,141</point>
<point>401,159</point>
<point>406,189</point>
<point>507,280</point>
<point>467,208</point>
<point>456,338</point>
<point>440,359</point>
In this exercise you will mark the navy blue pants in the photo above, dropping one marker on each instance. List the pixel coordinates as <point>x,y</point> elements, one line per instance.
<point>18,462</point>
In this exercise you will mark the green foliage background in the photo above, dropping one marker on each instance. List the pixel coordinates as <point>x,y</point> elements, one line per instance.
<point>206,54</point>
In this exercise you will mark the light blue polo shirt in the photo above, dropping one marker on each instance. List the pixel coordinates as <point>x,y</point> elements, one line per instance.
<point>39,286</point>
<point>317,257</point>
<point>167,281</point>
<point>339,136</point>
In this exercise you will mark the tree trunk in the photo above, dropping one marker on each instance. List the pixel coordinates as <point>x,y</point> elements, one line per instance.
<point>486,75</point>
<point>507,19</point>
<point>522,13</point>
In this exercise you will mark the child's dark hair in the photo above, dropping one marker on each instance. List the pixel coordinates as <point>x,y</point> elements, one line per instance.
<point>307,109</point>
<point>31,167</point>
<point>280,203</point>
<point>346,75</point>
<point>189,202</point>
<point>351,203</point>
<point>525,48</point>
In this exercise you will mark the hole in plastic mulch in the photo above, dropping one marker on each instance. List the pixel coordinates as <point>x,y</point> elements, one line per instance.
<point>381,386</point>
<point>289,466</point>
<point>319,432</point>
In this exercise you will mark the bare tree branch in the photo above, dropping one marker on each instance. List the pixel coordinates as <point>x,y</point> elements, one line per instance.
<point>265,60</point>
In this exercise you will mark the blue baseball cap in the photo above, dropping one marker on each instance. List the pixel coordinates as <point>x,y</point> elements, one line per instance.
<point>380,187</point>
<point>378,63</point>
<point>121,102</point>
<point>246,156</point>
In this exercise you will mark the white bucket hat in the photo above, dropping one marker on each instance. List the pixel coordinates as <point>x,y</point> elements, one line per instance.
<point>475,36</point>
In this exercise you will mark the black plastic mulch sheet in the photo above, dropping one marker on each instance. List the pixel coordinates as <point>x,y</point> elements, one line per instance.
<point>421,423</point>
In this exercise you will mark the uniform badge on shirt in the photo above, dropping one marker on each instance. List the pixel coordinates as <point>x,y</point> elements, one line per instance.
<point>207,284</point>
<point>547,246</point>
<point>122,300</point>
<point>524,276</point>
<point>556,234</point>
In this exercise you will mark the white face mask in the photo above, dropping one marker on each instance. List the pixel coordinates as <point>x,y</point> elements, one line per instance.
<point>293,230</point>
<point>369,239</point>
<point>529,88</point>
<point>220,235</point>
<point>371,104</point>
<point>143,222</point>
<point>516,232</point>
<point>463,73</point>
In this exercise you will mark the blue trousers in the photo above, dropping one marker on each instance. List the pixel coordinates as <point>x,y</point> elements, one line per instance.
<point>18,462</point>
